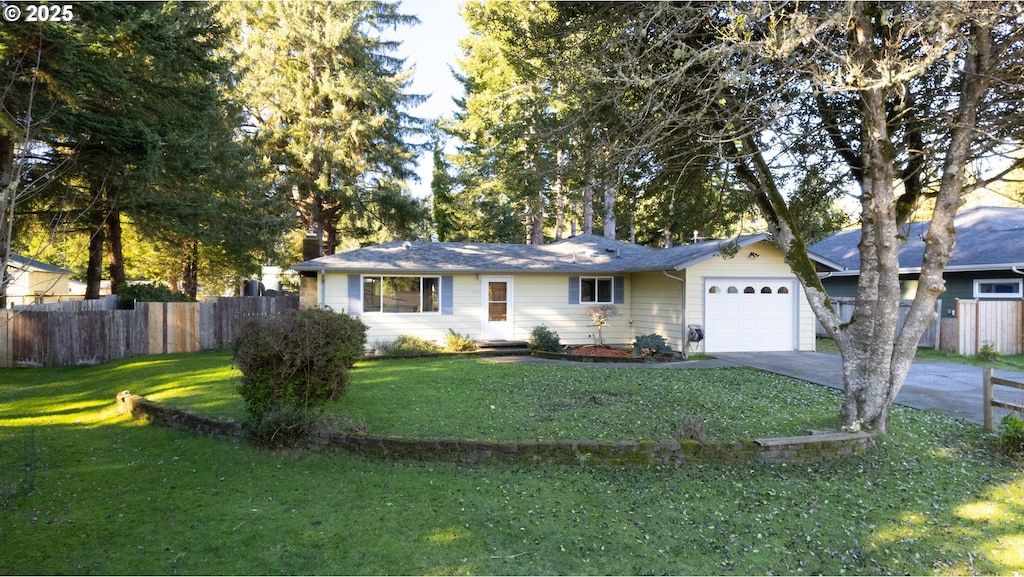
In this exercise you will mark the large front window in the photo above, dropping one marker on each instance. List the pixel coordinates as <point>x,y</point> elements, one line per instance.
<point>596,290</point>
<point>401,294</point>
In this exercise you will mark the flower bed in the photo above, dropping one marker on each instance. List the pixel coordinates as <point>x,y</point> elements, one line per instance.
<point>593,354</point>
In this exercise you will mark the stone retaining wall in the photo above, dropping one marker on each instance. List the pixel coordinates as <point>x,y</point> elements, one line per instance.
<point>786,449</point>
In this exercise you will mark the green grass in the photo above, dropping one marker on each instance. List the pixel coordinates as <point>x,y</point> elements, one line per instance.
<point>114,496</point>
<point>1004,362</point>
<point>476,399</point>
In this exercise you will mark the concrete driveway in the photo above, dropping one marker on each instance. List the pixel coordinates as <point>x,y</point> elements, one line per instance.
<point>949,388</point>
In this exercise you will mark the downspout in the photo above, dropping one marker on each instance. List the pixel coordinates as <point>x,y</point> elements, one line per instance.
<point>682,329</point>
<point>321,290</point>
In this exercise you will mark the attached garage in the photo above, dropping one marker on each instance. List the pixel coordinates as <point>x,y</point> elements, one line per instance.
<point>739,292</point>
<point>750,314</point>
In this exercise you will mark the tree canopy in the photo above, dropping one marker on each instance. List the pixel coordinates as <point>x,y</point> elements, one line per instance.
<point>694,115</point>
<point>326,108</point>
<point>170,141</point>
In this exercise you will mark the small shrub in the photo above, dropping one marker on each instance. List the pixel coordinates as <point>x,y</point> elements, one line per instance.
<point>150,293</point>
<point>650,345</point>
<point>1010,435</point>
<point>600,317</point>
<point>545,340</point>
<point>456,343</point>
<point>294,428</point>
<point>283,427</point>
<point>297,360</point>
<point>691,428</point>
<point>988,353</point>
<point>406,345</point>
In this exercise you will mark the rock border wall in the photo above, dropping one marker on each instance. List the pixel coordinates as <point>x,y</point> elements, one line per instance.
<point>678,453</point>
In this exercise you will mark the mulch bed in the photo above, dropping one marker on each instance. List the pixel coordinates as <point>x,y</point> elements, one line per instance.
<point>598,351</point>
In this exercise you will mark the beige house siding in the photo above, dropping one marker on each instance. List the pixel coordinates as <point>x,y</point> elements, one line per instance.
<point>543,299</point>
<point>538,299</point>
<point>465,319</point>
<point>30,286</point>
<point>657,307</point>
<point>769,263</point>
<point>653,303</point>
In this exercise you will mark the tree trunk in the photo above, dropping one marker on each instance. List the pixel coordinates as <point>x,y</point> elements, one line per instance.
<point>190,270</point>
<point>588,203</point>
<point>8,194</point>
<point>609,211</point>
<point>537,218</point>
<point>94,271</point>
<point>559,192</point>
<point>116,251</point>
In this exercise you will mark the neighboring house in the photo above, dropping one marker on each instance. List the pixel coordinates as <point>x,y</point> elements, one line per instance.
<point>35,282</point>
<point>740,292</point>
<point>987,261</point>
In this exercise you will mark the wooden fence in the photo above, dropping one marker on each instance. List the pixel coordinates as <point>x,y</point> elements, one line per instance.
<point>988,394</point>
<point>74,333</point>
<point>999,324</point>
<point>929,340</point>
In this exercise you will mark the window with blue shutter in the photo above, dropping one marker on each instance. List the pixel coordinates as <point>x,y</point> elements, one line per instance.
<point>574,290</point>
<point>620,289</point>
<point>355,299</point>
<point>447,296</point>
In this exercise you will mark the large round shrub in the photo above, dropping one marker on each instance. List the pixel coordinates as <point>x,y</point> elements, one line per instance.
<point>297,360</point>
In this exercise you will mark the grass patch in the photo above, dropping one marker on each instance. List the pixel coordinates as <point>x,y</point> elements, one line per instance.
<point>1003,362</point>
<point>114,496</point>
<point>477,399</point>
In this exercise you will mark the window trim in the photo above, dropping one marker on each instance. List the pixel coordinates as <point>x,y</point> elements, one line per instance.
<point>380,278</point>
<point>1013,281</point>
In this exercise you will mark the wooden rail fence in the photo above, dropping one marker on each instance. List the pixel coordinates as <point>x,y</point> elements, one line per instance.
<point>82,334</point>
<point>989,380</point>
<point>845,306</point>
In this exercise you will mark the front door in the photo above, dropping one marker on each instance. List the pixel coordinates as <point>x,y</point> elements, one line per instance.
<point>497,313</point>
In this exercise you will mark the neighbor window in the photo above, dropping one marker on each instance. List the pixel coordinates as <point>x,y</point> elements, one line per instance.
<point>596,290</point>
<point>401,294</point>
<point>998,288</point>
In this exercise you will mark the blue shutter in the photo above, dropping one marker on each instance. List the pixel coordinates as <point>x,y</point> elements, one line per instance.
<point>447,299</point>
<point>355,294</point>
<point>574,290</point>
<point>619,289</point>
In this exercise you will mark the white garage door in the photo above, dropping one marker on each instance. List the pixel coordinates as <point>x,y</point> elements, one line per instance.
<point>749,315</point>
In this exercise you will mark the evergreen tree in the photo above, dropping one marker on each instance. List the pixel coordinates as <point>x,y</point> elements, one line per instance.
<point>327,106</point>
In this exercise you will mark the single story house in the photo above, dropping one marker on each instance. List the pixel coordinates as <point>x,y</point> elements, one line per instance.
<point>739,293</point>
<point>35,282</point>
<point>987,261</point>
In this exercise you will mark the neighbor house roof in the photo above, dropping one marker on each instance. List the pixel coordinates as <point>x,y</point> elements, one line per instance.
<point>32,265</point>
<point>581,253</point>
<point>987,238</point>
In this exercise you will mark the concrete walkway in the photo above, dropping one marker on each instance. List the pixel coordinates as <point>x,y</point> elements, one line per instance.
<point>949,388</point>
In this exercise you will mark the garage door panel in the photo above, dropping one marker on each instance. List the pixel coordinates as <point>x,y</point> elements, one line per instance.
<point>750,321</point>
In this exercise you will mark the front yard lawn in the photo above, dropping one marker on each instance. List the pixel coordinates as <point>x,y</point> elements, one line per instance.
<point>115,496</point>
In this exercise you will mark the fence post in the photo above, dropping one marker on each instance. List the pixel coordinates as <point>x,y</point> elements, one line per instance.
<point>987,399</point>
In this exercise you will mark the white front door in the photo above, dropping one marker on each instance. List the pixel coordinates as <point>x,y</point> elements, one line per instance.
<point>497,305</point>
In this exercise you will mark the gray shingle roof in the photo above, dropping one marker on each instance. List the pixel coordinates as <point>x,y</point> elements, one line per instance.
<point>582,253</point>
<point>30,264</point>
<point>987,238</point>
